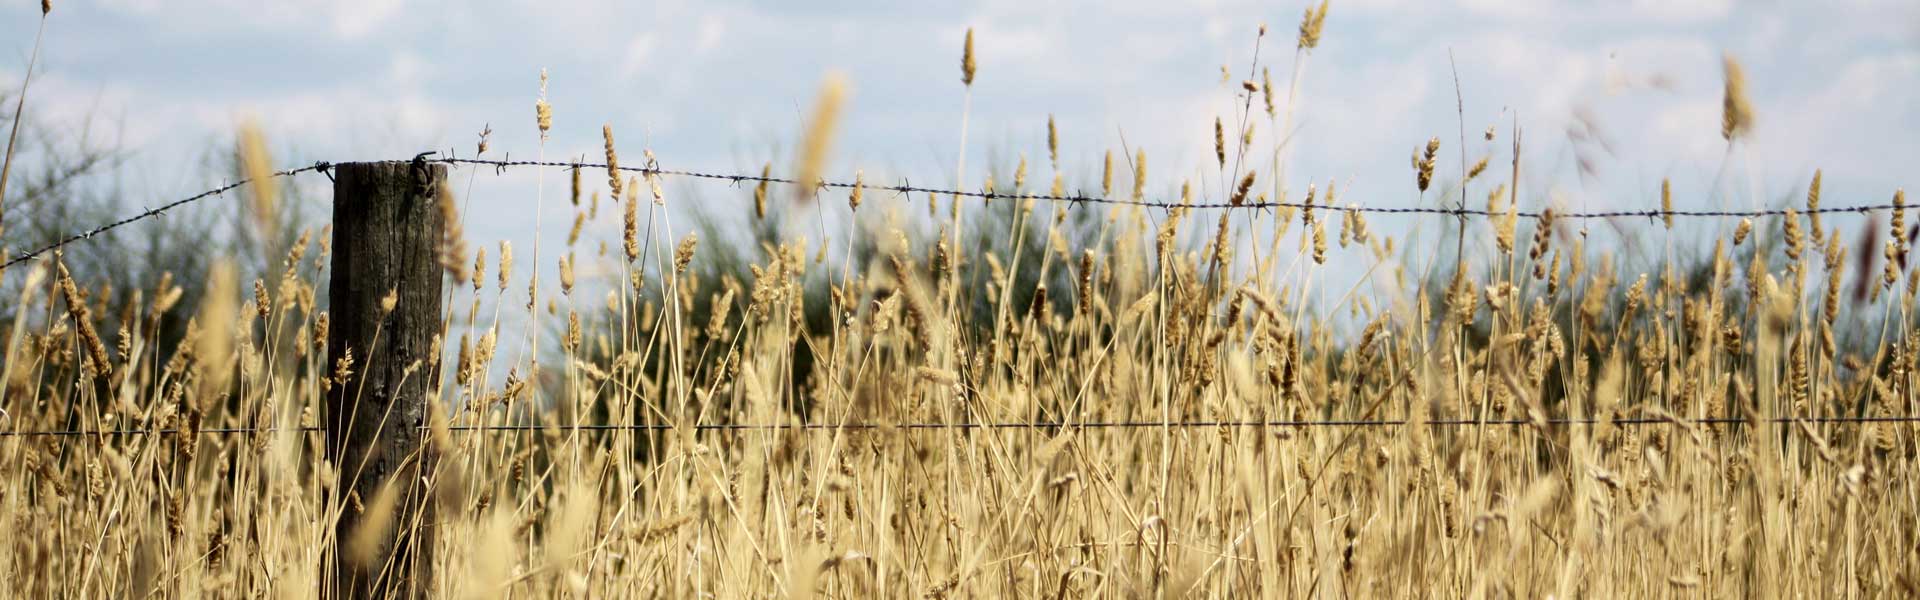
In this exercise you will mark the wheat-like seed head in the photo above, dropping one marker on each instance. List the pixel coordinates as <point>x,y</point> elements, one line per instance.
<point>1813,207</point>
<point>1106,175</point>
<point>1306,205</point>
<point>653,177</point>
<point>506,263</point>
<point>630,232</point>
<point>817,142</point>
<point>574,190</point>
<point>683,253</point>
<point>479,267</point>
<point>760,192</point>
<point>859,186</point>
<point>1240,192</point>
<point>1310,26</point>
<point>83,317</point>
<point>1790,226</point>
<point>371,535</point>
<point>613,160</point>
<point>1320,243</point>
<point>966,60</point>
<point>1346,228</point>
<point>543,112</point>
<point>1423,166</point>
<point>1899,220</point>
<point>1139,175</point>
<point>1736,112</point>
<point>1220,142</point>
<point>1266,90</point>
<point>1666,203</point>
<point>1053,143</point>
<point>258,167</point>
<point>451,248</point>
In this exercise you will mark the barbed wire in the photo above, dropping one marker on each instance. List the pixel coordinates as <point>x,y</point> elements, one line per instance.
<point>907,188</point>
<point>155,212</point>
<point>1036,425</point>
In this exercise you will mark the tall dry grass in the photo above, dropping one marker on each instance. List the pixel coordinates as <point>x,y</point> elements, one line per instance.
<point>1153,318</point>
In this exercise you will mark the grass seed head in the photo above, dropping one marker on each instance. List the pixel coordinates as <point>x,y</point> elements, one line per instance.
<point>1666,203</point>
<point>966,60</point>
<point>1813,207</point>
<point>1736,111</point>
<point>1310,26</point>
<point>817,143</point>
<point>543,112</point>
<point>613,159</point>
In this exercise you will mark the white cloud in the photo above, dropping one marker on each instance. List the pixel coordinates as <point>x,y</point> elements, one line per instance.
<point>346,19</point>
<point>718,84</point>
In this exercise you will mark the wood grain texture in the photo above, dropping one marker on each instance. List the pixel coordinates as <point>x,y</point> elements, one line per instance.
<point>385,226</point>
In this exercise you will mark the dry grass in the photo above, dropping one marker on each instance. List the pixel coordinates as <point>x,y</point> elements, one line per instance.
<point>1139,325</point>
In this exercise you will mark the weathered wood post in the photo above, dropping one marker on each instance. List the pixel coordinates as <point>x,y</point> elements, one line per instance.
<point>385,311</point>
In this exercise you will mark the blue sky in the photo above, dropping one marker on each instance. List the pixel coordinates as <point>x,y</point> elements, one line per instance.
<point>1630,87</point>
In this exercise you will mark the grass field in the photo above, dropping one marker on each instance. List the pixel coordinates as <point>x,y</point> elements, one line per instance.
<point>1666,434</point>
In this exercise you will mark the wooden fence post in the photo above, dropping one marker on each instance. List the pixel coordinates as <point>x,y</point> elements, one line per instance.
<point>384,312</point>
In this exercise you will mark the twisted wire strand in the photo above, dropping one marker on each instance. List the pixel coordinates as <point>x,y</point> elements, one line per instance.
<point>908,188</point>
<point>155,212</point>
<point>1044,425</point>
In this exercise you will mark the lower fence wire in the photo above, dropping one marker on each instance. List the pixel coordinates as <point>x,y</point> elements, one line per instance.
<point>1036,425</point>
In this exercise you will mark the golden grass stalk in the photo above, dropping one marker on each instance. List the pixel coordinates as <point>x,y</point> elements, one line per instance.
<point>19,107</point>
